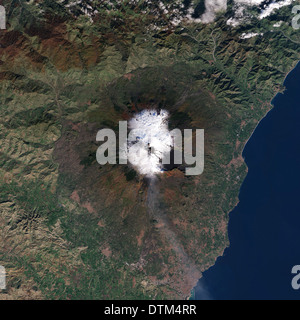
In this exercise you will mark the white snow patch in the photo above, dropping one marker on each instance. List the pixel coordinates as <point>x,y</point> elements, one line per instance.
<point>151,141</point>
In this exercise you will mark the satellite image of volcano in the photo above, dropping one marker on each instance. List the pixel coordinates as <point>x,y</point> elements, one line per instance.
<point>72,228</point>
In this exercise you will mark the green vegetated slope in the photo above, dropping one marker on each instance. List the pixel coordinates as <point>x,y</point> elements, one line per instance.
<point>72,229</point>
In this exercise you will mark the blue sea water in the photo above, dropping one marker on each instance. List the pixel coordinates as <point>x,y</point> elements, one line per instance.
<point>264,229</point>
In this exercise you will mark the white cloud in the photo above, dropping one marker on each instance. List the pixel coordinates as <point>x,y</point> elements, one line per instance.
<point>174,9</point>
<point>241,6</point>
<point>273,6</point>
<point>213,7</point>
<point>250,35</point>
<point>249,2</point>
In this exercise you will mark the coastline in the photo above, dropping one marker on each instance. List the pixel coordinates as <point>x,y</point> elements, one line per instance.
<point>192,295</point>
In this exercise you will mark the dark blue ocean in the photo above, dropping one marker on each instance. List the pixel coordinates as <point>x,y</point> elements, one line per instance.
<point>264,229</point>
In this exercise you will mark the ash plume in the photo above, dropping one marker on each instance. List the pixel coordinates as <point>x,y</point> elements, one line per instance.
<point>163,225</point>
